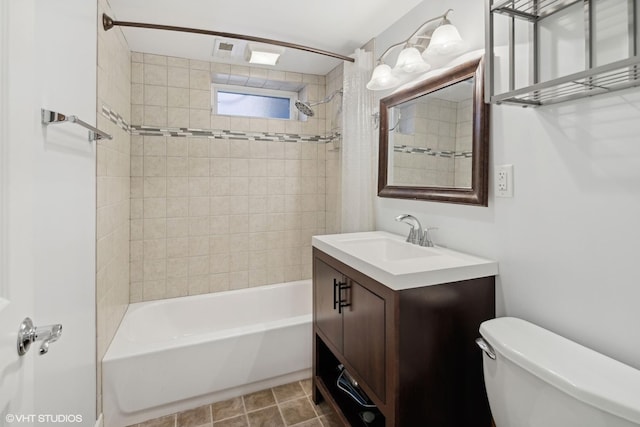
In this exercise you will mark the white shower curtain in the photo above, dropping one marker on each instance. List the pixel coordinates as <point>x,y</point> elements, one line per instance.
<point>359,147</point>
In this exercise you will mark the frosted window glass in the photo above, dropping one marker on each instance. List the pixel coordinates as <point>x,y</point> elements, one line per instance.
<point>241,104</point>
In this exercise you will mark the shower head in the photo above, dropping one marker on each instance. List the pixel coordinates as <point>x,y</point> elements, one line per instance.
<point>305,107</point>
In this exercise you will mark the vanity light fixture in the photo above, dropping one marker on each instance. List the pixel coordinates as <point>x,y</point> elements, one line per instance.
<point>443,40</point>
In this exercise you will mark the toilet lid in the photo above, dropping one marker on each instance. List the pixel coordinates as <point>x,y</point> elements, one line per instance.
<point>589,376</point>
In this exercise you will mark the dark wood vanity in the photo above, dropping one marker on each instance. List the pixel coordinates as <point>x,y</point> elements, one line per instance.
<point>411,351</point>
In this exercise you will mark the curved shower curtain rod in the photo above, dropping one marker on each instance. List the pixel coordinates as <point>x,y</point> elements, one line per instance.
<point>108,23</point>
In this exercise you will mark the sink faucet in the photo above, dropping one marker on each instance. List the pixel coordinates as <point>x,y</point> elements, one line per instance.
<point>417,235</point>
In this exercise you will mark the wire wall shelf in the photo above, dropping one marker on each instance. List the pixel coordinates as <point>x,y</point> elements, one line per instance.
<point>532,10</point>
<point>594,80</point>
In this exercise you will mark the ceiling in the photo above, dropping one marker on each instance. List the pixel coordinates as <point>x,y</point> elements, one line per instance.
<point>334,25</point>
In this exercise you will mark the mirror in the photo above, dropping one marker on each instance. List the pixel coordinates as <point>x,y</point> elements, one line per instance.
<point>434,139</point>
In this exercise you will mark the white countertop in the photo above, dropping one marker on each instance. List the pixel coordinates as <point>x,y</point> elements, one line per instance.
<point>388,259</point>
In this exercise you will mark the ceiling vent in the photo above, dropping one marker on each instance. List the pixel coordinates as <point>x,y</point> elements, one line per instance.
<point>228,48</point>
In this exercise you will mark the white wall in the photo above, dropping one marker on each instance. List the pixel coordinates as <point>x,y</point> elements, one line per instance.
<point>567,243</point>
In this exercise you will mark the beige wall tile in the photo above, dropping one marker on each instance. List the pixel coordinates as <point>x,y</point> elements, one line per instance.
<point>155,166</point>
<point>155,249</point>
<point>178,77</point>
<point>177,207</point>
<point>137,93</point>
<point>178,117</point>
<point>219,214</point>
<point>177,62</point>
<point>200,99</point>
<point>219,282</point>
<point>178,97</point>
<point>155,75</point>
<point>198,147</point>
<point>177,287</point>
<point>149,58</point>
<point>220,122</point>
<point>199,119</point>
<point>219,167</point>
<point>238,280</point>
<point>177,167</point>
<point>155,208</point>
<point>155,115</point>
<point>155,95</point>
<point>177,186</point>
<point>155,228</point>
<point>177,247</point>
<point>198,186</point>
<point>155,187</point>
<point>198,266</point>
<point>199,79</point>
<point>199,65</point>
<point>177,227</point>
<point>177,146</point>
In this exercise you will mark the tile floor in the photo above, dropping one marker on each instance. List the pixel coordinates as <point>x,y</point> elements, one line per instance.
<point>288,405</point>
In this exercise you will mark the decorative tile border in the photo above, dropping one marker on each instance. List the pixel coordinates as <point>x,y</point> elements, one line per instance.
<point>228,134</point>
<point>214,133</point>
<point>407,149</point>
<point>116,118</point>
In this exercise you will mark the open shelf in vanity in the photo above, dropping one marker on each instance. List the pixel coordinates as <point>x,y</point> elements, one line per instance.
<point>411,350</point>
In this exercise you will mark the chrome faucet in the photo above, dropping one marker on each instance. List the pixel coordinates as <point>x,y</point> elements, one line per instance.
<point>417,235</point>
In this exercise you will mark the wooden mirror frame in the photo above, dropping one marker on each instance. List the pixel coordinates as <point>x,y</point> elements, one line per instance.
<point>478,193</point>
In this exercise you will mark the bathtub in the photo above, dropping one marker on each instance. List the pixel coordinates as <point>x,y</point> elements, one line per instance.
<point>177,354</point>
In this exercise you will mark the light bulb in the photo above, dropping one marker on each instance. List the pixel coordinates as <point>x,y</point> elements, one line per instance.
<point>382,78</point>
<point>410,62</point>
<point>446,41</point>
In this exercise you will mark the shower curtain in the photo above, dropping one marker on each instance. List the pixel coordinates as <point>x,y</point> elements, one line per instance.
<point>359,153</point>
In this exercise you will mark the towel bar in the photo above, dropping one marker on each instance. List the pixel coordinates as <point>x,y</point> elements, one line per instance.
<point>53,117</point>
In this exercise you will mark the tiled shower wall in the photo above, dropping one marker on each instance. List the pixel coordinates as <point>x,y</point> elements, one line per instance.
<point>464,143</point>
<point>113,158</point>
<point>441,131</point>
<point>212,214</point>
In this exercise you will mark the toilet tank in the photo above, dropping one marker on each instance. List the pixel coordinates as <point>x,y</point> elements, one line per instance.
<point>540,379</point>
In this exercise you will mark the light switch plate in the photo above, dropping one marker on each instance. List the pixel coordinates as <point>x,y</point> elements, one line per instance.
<point>504,181</point>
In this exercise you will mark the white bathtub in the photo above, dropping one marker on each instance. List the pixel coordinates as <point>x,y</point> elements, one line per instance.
<point>177,354</point>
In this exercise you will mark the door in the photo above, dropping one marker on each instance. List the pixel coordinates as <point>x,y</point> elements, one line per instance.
<point>364,336</point>
<point>326,289</point>
<point>47,210</point>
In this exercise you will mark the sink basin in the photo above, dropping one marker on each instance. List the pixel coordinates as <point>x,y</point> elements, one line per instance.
<point>390,260</point>
<point>387,249</point>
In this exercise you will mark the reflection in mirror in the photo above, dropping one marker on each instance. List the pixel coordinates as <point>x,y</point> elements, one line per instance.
<point>434,139</point>
<point>430,139</point>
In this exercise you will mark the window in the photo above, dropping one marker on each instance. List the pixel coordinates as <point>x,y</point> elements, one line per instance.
<point>251,102</point>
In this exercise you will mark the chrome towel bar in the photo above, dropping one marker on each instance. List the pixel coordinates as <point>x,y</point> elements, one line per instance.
<point>53,117</point>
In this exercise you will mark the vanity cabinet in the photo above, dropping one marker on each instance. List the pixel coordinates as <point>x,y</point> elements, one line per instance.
<point>352,319</point>
<point>411,351</point>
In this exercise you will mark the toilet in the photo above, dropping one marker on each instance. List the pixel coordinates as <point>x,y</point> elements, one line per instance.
<point>535,378</point>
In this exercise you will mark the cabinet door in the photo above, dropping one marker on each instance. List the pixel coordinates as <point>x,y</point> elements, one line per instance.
<point>325,287</point>
<point>364,336</point>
